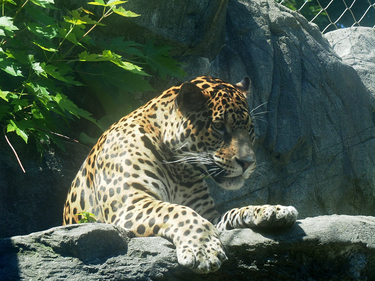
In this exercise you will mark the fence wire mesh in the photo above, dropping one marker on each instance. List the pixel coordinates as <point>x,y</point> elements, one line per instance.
<point>334,14</point>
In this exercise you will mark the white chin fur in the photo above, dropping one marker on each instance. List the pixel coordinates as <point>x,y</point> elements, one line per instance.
<point>232,183</point>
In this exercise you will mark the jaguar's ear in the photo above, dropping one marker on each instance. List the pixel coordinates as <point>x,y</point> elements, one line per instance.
<point>190,98</point>
<point>244,86</point>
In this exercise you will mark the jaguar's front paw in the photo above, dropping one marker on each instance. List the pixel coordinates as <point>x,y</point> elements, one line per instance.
<point>286,216</point>
<point>201,253</point>
<point>268,216</point>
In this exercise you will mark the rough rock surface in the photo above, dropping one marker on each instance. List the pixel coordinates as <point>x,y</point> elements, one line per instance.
<point>34,200</point>
<point>356,47</point>
<point>320,248</point>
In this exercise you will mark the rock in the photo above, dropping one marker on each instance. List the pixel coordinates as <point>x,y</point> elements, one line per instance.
<point>34,200</point>
<point>356,47</point>
<point>320,248</point>
<point>192,27</point>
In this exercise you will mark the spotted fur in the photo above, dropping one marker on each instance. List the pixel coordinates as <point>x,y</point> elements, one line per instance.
<point>147,171</point>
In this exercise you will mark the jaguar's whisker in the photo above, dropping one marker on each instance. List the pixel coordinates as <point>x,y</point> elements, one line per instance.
<point>255,108</point>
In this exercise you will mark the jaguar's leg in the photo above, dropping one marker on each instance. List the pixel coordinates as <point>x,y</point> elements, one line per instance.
<point>265,216</point>
<point>196,239</point>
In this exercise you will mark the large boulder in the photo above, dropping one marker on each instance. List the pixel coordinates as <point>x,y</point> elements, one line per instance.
<point>320,248</point>
<point>356,47</point>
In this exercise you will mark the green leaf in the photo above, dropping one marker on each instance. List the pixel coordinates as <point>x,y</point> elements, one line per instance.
<point>39,16</point>
<point>71,33</point>
<point>86,56</point>
<point>122,12</point>
<point>129,67</point>
<point>10,67</point>
<point>107,55</point>
<point>44,3</point>
<point>70,36</point>
<point>17,127</point>
<point>19,104</point>
<point>115,2</point>
<point>159,60</point>
<point>46,46</point>
<point>18,55</point>
<point>110,3</point>
<point>60,74</point>
<point>6,23</point>
<point>77,19</point>
<point>116,59</point>
<point>86,217</point>
<point>4,95</point>
<point>98,3</point>
<point>37,114</point>
<point>48,32</point>
<point>40,92</point>
<point>36,66</point>
<point>129,47</point>
<point>38,69</point>
<point>67,105</point>
<point>10,1</point>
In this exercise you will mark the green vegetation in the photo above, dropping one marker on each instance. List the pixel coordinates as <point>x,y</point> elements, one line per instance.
<point>86,217</point>
<point>44,60</point>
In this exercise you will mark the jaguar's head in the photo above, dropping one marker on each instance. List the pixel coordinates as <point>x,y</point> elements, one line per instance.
<point>215,131</point>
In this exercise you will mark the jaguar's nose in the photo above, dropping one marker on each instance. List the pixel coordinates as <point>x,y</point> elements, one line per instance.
<point>245,162</point>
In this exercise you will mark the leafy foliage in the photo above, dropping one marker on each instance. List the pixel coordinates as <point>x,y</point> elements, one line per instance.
<point>86,217</point>
<point>42,59</point>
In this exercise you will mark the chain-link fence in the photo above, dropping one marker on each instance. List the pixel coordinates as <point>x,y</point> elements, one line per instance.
<point>333,14</point>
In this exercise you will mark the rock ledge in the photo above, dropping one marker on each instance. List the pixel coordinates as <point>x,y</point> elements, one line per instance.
<point>319,248</point>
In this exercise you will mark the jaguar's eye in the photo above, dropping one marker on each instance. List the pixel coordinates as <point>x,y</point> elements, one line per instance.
<point>219,126</point>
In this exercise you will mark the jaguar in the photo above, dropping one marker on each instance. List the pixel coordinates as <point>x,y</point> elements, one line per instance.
<point>147,173</point>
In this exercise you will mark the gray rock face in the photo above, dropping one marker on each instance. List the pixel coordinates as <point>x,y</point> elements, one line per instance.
<point>320,248</point>
<point>192,27</point>
<point>34,201</point>
<point>356,47</point>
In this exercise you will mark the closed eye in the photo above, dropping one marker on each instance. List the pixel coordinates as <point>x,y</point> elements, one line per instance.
<point>219,126</point>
